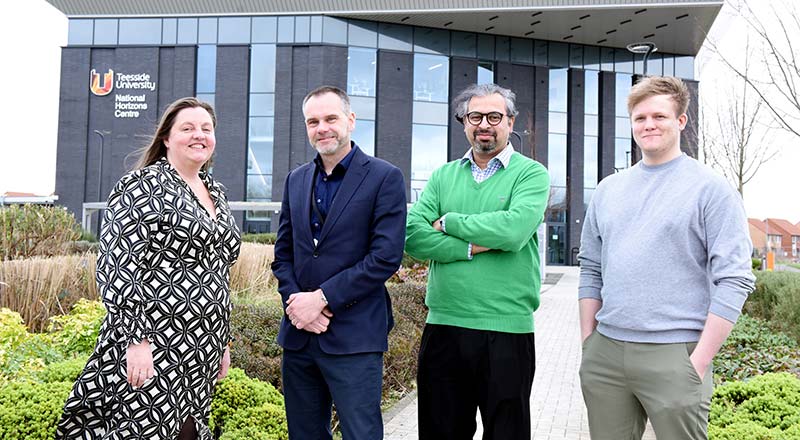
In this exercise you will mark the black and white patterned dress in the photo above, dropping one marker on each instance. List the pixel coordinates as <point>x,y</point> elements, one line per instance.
<point>163,274</point>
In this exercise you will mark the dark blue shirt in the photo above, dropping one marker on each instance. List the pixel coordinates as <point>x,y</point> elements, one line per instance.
<point>325,188</point>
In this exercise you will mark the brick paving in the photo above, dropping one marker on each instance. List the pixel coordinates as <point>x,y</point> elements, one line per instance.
<point>557,410</point>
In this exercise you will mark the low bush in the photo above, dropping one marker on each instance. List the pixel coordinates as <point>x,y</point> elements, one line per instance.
<point>30,410</point>
<point>35,230</point>
<point>255,348</point>
<point>262,238</point>
<point>753,349</point>
<point>756,263</point>
<point>241,402</point>
<point>764,407</point>
<point>777,300</point>
<point>400,362</point>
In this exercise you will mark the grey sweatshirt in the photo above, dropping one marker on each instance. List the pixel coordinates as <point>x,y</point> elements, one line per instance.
<point>662,246</point>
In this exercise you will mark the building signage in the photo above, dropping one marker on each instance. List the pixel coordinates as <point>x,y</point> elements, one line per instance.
<point>132,90</point>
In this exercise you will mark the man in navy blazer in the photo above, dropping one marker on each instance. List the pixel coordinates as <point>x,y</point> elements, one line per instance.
<point>340,237</point>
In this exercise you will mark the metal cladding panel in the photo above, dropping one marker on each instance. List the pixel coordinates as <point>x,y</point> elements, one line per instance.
<point>575,159</point>
<point>541,96</point>
<point>73,121</point>
<point>607,108</point>
<point>522,84</point>
<point>395,111</point>
<point>231,98</point>
<point>101,118</point>
<point>175,75</point>
<point>300,150</point>
<point>463,73</point>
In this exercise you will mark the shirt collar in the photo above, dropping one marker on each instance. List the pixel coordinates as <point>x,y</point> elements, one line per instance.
<point>344,164</point>
<point>504,157</point>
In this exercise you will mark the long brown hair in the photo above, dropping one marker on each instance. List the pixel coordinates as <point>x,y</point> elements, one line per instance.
<point>156,149</point>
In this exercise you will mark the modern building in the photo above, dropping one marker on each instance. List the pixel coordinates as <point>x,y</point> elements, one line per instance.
<point>402,61</point>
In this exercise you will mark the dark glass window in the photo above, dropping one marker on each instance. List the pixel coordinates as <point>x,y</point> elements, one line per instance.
<point>140,31</point>
<point>540,52</point>
<point>206,68</point>
<point>262,68</point>
<point>485,72</point>
<point>576,55</point>
<point>80,31</point>
<point>234,30</point>
<point>334,30</point>
<point>169,32</point>
<point>591,57</point>
<point>559,54</point>
<point>187,31</point>
<point>486,46</point>
<point>105,31</point>
<point>502,49</point>
<point>302,29</point>
<point>395,36</point>
<point>207,31</point>
<point>463,44</point>
<point>428,40</point>
<point>623,61</point>
<point>521,51</point>
<point>265,29</point>
<point>362,33</point>
<point>607,59</point>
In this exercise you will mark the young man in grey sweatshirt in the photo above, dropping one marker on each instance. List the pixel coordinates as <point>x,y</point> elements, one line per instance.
<point>665,270</point>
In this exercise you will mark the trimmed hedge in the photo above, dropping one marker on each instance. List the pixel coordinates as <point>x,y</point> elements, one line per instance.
<point>30,411</point>
<point>243,406</point>
<point>262,238</point>
<point>765,407</point>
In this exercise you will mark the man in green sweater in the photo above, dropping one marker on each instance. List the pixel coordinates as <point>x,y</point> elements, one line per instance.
<point>476,222</point>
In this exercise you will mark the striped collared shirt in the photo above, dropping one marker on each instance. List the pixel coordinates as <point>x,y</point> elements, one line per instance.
<point>501,160</point>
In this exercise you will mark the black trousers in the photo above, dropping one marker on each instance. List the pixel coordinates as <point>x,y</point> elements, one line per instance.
<point>462,370</point>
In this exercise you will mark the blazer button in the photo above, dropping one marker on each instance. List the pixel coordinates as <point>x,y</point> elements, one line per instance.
<point>315,254</point>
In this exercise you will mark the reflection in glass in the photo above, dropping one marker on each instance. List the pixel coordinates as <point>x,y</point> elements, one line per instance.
<point>363,107</point>
<point>430,77</point>
<point>262,68</point>
<point>105,32</point>
<point>361,71</point>
<point>522,51</point>
<point>502,49</point>
<point>654,66</point>
<point>607,59</point>
<point>430,40</point>
<point>428,152</point>
<point>140,31</point>
<point>265,29</point>
<point>259,187</point>
<point>207,31</point>
<point>622,153</point>
<point>486,46</point>
<point>623,61</point>
<point>623,89</point>
<point>316,29</point>
<point>622,127</point>
<point>80,31</point>
<point>395,36</point>
<point>233,30</point>
<point>557,122</point>
<point>432,113</point>
<point>362,33</point>
<point>559,54</point>
<point>557,159</point>
<point>485,72</point>
<point>556,244</point>
<point>334,30</point>
<point>684,66</point>
<point>364,136</point>
<point>589,161</point>
<point>206,97</point>
<point>591,57</point>
<point>187,31</point>
<point>262,104</point>
<point>206,68</point>
<point>669,65</point>
<point>591,125</point>
<point>592,89</point>
<point>558,90</point>
<point>540,52</point>
<point>261,141</point>
<point>557,205</point>
<point>576,55</point>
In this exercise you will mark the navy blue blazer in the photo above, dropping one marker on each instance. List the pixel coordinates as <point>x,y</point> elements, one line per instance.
<point>360,247</point>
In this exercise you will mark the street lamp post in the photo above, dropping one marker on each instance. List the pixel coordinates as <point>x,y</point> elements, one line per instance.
<point>100,167</point>
<point>645,48</point>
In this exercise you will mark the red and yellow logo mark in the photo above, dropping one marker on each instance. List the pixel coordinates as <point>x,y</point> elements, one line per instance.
<point>108,83</point>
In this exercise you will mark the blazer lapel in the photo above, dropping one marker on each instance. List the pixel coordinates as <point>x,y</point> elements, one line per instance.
<point>352,180</point>
<point>305,195</point>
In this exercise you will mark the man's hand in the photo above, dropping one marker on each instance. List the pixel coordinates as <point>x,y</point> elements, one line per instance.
<point>224,364</point>
<point>320,325</point>
<point>304,308</point>
<point>139,361</point>
<point>477,249</point>
<point>438,225</point>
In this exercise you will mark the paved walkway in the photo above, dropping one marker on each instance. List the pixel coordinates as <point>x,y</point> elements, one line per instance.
<point>557,409</point>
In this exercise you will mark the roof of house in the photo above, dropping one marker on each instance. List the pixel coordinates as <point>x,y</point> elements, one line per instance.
<point>758,224</point>
<point>783,225</point>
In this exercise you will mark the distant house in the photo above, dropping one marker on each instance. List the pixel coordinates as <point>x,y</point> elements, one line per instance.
<point>758,236</point>
<point>790,236</point>
<point>21,198</point>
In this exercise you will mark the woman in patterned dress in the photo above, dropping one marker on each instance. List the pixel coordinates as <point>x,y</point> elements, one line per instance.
<point>167,242</point>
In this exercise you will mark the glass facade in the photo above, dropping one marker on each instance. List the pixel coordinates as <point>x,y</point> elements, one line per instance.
<point>431,49</point>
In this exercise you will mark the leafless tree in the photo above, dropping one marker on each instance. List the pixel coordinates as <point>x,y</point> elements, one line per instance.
<point>735,139</point>
<point>775,46</point>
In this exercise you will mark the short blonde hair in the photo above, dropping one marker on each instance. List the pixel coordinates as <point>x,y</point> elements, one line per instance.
<point>660,85</point>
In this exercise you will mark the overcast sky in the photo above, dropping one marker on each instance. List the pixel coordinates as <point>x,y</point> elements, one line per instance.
<point>33,34</point>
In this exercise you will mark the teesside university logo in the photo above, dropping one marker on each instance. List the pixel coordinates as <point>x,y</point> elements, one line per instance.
<point>108,83</point>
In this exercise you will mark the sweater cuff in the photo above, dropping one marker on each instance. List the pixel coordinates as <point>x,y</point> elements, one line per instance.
<point>727,303</point>
<point>589,292</point>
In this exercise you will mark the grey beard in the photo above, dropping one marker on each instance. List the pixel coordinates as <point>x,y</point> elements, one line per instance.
<point>484,148</point>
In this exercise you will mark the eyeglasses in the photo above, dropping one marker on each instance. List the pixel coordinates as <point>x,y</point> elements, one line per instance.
<point>493,118</point>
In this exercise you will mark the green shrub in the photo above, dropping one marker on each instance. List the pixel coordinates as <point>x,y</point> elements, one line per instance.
<point>262,238</point>
<point>35,230</point>
<point>61,371</point>
<point>766,406</point>
<point>400,361</point>
<point>235,395</point>
<point>267,422</point>
<point>756,263</point>
<point>255,348</point>
<point>777,300</point>
<point>78,331</point>
<point>30,411</point>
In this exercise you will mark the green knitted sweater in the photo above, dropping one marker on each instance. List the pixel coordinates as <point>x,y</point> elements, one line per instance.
<point>495,290</point>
